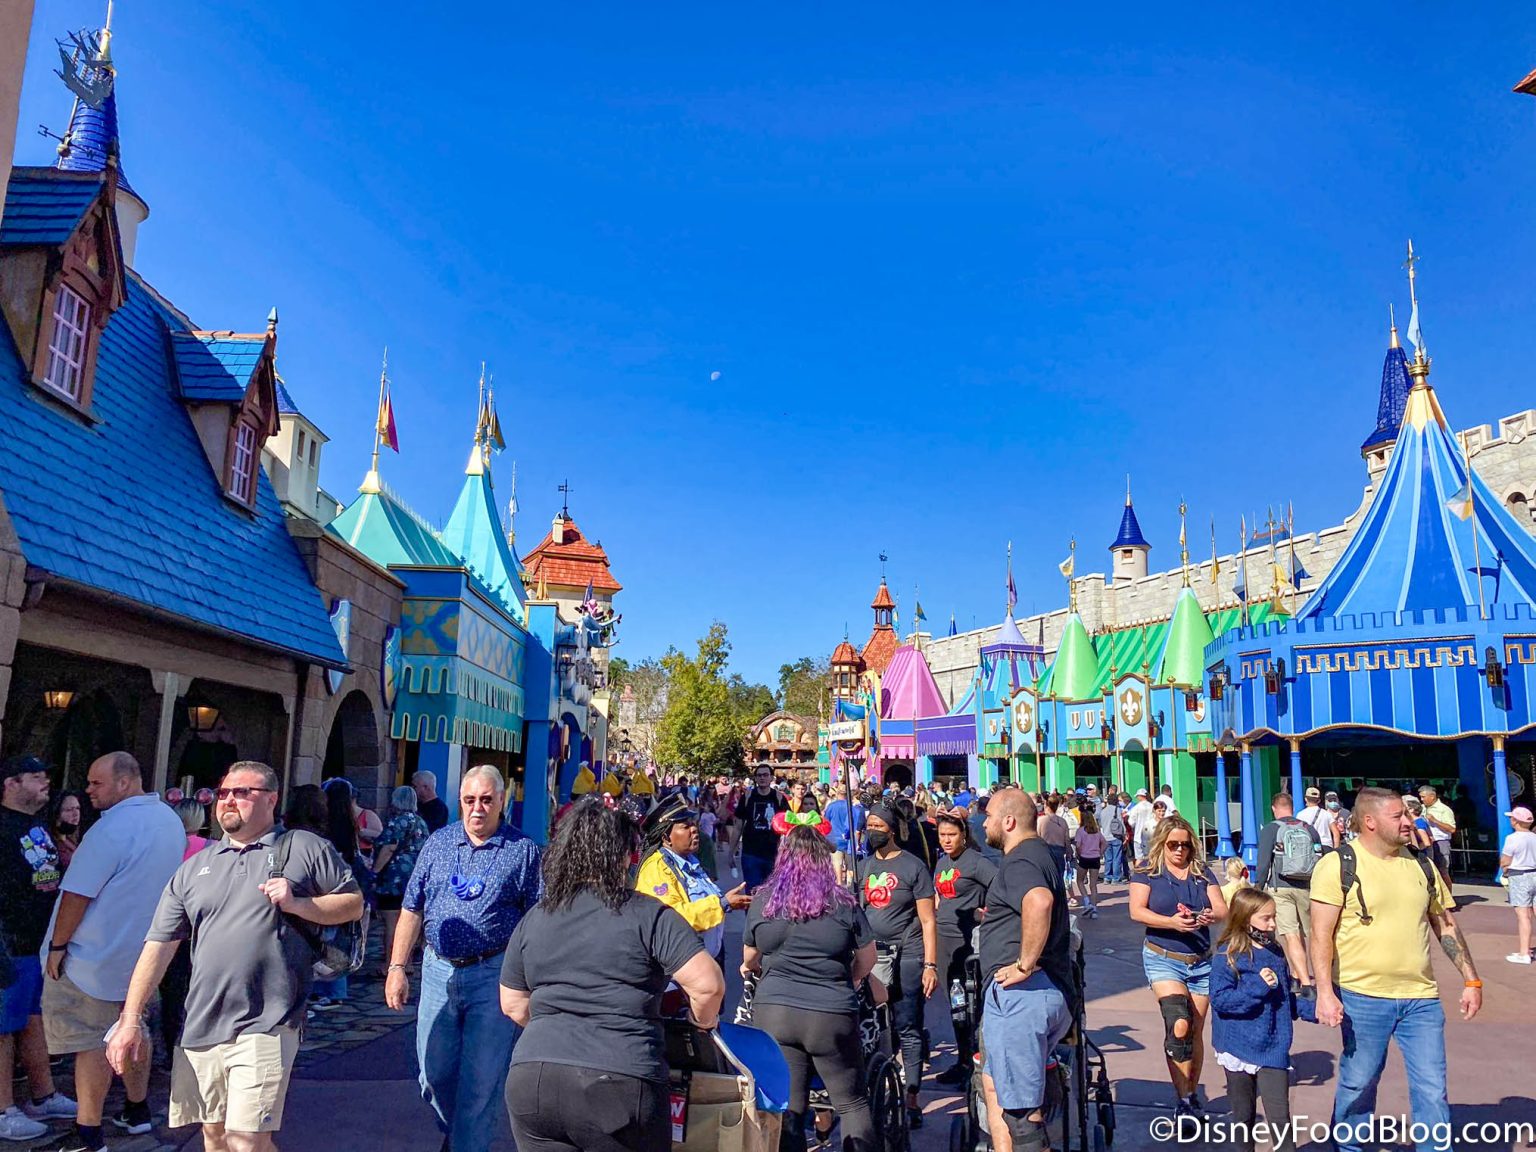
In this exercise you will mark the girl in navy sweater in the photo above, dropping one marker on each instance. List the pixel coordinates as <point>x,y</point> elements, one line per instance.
<point>1252,1009</point>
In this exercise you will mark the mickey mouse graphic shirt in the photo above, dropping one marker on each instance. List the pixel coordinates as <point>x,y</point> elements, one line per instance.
<point>29,879</point>
<point>889,890</point>
<point>961,884</point>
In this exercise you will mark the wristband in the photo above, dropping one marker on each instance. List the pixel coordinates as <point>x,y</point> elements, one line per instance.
<point>58,947</point>
<point>1473,984</point>
<point>935,967</point>
<point>401,967</point>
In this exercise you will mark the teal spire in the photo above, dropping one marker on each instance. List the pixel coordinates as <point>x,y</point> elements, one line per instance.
<point>1182,660</point>
<point>1074,674</point>
<point>476,533</point>
<point>388,533</point>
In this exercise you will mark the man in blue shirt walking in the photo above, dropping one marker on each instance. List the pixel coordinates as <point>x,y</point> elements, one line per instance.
<point>847,820</point>
<point>473,882</point>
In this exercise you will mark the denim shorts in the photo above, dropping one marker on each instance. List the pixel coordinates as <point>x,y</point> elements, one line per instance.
<point>24,998</point>
<point>1522,890</point>
<point>1020,1028</point>
<point>1196,977</point>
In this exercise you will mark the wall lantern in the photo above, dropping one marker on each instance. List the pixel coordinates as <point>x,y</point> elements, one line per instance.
<point>1274,677</point>
<point>58,699</point>
<point>1191,700</point>
<point>201,716</point>
<point>1493,669</point>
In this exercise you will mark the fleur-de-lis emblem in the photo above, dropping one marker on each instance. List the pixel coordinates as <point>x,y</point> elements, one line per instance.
<point>1130,707</point>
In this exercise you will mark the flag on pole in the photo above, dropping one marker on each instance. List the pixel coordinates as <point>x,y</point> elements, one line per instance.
<point>1415,336</point>
<point>386,425</point>
<point>918,615</point>
<point>1069,565</point>
<point>952,629</point>
<point>1460,503</point>
<point>1013,592</point>
<point>1215,560</point>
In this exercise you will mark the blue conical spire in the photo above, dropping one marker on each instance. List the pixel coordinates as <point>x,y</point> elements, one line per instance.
<point>92,134</point>
<point>1395,387</point>
<point>1130,528</point>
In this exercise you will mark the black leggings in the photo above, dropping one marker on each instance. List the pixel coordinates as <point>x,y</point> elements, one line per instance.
<point>829,1043</point>
<point>907,1012</point>
<point>953,953</point>
<point>1274,1085</point>
<point>562,1108</point>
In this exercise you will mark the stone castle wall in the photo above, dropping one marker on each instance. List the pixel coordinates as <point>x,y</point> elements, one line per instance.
<point>1505,460</point>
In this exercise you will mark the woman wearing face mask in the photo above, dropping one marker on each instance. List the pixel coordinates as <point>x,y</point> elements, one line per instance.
<point>896,889</point>
<point>67,824</point>
<point>1252,1010</point>
<point>960,882</point>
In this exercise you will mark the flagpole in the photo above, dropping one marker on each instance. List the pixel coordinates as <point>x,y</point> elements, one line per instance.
<point>371,481</point>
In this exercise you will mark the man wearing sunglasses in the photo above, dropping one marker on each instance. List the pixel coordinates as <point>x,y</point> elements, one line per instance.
<point>473,883</point>
<point>251,971</point>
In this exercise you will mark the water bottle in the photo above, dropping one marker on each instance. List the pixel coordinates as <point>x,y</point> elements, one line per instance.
<point>956,995</point>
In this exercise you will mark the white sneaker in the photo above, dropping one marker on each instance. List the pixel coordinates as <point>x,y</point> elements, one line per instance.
<point>56,1107</point>
<point>1519,957</point>
<point>14,1125</point>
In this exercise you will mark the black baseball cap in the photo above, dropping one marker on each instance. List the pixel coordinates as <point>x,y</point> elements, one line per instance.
<point>21,766</point>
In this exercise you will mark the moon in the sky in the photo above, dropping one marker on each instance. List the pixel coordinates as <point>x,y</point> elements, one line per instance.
<point>714,375</point>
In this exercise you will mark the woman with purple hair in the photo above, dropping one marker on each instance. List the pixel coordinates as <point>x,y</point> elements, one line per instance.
<point>809,946</point>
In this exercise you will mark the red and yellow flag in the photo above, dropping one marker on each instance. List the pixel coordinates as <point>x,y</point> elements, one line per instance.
<point>387,434</point>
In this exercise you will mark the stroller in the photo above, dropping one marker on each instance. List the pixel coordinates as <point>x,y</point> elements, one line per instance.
<point>1079,1100</point>
<point>729,1088</point>
<point>882,1071</point>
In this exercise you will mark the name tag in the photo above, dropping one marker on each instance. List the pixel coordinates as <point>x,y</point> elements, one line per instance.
<point>678,1107</point>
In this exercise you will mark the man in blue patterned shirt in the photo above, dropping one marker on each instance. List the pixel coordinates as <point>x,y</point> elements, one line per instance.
<point>473,882</point>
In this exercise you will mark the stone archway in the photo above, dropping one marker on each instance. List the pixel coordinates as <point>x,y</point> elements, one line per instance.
<point>897,775</point>
<point>352,748</point>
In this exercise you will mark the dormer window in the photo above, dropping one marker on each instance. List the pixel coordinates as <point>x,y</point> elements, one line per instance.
<point>65,370</point>
<point>242,463</point>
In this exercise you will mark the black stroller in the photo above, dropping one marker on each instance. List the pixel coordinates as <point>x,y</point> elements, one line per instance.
<point>1079,1100</point>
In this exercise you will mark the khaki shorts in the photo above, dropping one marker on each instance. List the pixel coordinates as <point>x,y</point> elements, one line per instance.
<point>1293,911</point>
<point>241,1084</point>
<point>74,1021</point>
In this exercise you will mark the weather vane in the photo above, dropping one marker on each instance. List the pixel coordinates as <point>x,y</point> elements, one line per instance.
<point>883,559</point>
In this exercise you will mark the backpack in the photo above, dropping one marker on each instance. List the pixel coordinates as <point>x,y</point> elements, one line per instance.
<point>1349,877</point>
<point>1296,851</point>
<point>339,948</point>
<point>1114,821</point>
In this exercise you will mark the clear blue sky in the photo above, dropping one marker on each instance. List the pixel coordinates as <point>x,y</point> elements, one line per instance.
<point>960,271</point>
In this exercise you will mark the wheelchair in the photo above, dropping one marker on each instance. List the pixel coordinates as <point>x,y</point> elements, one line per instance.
<point>1079,1099</point>
<point>729,1088</point>
<point>882,1070</point>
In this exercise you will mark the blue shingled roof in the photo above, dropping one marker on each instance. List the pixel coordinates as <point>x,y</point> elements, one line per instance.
<point>215,366</point>
<point>91,131</point>
<point>285,404</point>
<point>1395,387</point>
<point>129,506</point>
<point>1130,531</point>
<point>43,208</point>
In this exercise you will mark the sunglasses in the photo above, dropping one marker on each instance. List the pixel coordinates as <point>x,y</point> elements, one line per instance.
<point>238,793</point>
<point>478,801</point>
<point>1184,844</point>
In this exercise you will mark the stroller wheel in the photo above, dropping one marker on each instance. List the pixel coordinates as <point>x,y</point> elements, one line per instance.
<point>888,1105</point>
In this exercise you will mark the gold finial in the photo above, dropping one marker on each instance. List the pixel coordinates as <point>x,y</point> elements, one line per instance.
<point>1392,318</point>
<point>104,40</point>
<point>1183,543</point>
<point>1070,571</point>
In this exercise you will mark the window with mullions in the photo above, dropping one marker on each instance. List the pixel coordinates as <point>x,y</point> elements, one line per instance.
<point>65,372</point>
<point>242,464</point>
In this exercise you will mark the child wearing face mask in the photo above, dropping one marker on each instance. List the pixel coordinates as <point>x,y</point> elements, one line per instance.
<point>1252,1010</point>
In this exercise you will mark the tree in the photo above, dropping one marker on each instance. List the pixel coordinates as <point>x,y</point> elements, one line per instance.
<point>804,688</point>
<point>700,729</point>
<point>751,701</point>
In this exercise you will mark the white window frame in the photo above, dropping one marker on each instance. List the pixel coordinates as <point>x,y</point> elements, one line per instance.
<point>67,344</point>
<point>242,463</point>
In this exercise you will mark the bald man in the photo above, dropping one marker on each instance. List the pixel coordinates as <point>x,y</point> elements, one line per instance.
<point>1028,1003</point>
<point>107,901</point>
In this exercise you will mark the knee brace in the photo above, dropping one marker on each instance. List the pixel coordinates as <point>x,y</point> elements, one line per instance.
<point>1027,1135</point>
<point>1174,1009</point>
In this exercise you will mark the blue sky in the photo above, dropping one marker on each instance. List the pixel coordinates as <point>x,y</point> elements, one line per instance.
<point>959,271</point>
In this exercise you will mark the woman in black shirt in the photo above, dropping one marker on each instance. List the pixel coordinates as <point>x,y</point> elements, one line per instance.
<point>960,884</point>
<point>584,975</point>
<point>897,891</point>
<point>809,946</point>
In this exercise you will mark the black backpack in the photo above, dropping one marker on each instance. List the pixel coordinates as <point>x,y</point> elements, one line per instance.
<point>339,948</point>
<point>1349,877</point>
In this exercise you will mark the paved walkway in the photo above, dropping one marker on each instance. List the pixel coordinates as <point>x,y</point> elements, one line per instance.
<point>355,1087</point>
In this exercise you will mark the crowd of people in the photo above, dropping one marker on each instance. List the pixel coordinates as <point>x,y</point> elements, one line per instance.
<point>540,972</point>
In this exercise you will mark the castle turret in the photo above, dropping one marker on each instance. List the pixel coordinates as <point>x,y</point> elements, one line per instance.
<point>1395,387</point>
<point>1129,551</point>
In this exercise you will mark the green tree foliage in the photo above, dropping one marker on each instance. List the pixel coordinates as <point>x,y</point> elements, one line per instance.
<point>804,688</point>
<point>708,710</point>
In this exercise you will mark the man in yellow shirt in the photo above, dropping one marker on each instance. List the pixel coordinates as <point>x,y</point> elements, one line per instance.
<point>1376,925</point>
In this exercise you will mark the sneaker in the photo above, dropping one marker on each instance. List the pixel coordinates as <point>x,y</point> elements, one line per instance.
<point>16,1125</point>
<point>324,1004</point>
<point>74,1143</point>
<point>56,1107</point>
<point>914,1119</point>
<point>1519,958</point>
<point>953,1076</point>
<point>133,1127</point>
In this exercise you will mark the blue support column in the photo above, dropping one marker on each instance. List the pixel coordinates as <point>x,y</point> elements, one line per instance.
<point>924,766</point>
<point>1501,793</point>
<point>973,771</point>
<point>1297,793</point>
<point>1250,810</point>
<point>1223,810</point>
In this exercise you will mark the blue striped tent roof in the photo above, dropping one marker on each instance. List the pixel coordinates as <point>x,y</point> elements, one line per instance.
<point>1412,553</point>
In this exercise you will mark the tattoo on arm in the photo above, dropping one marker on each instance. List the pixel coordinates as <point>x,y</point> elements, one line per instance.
<point>1455,947</point>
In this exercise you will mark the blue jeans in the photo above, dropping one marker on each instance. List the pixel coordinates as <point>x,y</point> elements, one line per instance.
<point>1114,862</point>
<point>464,1047</point>
<point>1418,1026</point>
<point>754,870</point>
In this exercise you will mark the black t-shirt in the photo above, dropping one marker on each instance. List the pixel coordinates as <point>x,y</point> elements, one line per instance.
<point>1165,893</point>
<point>435,813</point>
<point>808,964</point>
<point>1027,867</point>
<point>29,879</point>
<point>890,890</point>
<point>961,886</point>
<point>757,812</point>
<point>596,977</point>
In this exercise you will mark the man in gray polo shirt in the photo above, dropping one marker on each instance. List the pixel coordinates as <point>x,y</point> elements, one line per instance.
<point>251,967</point>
